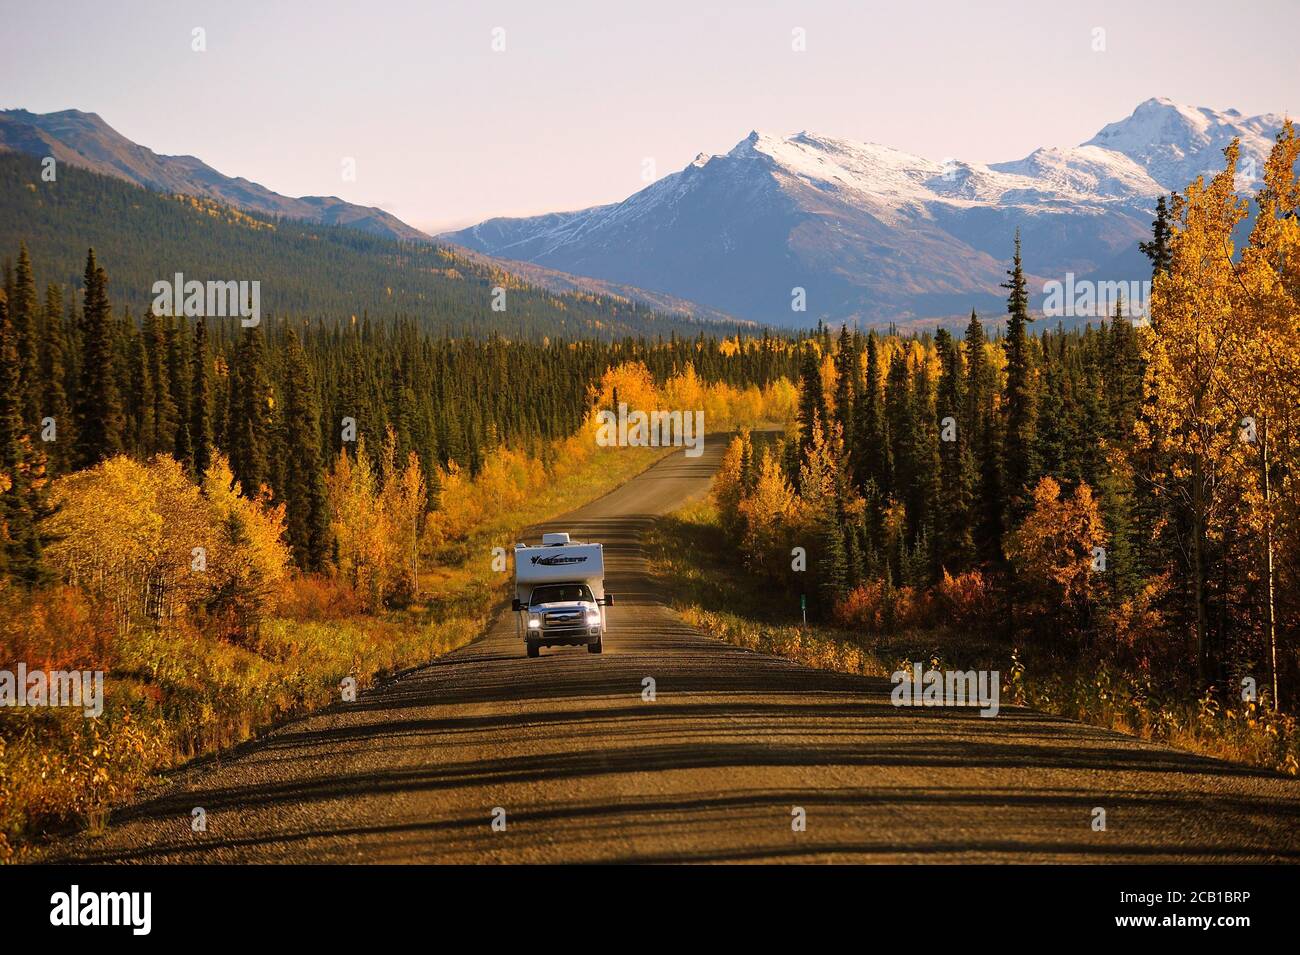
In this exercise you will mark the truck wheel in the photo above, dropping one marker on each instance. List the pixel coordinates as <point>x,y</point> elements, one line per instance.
<point>533,649</point>
<point>596,647</point>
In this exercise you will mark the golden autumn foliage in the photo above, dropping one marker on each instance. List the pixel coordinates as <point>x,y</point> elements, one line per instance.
<point>728,487</point>
<point>6,483</point>
<point>249,558</point>
<point>726,407</point>
<point>149,543</point>
<point>59,628</point>
<point>821,477</point>
<point>768,515</point>
<point>183,591</point>
<point>376,521</point>
<point>967,601</point>
<point>629,383</point>
<point>876,607</point>
<point>1053,547</point>
<point>1145,566</point>
<point>1222,390</point>
<point>1194,405</point>
<point>507,477</point>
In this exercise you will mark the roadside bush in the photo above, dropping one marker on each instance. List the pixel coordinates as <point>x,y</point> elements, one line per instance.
<point>317,598</point>
<point>967,602</point>
<point>875,607</point>
<point>58,628</point>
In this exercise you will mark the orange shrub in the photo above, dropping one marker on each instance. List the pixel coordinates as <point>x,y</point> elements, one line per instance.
<point>875,607</point>
<point>312,597</point>
<point>967,601</point>
<point>60,628</point>
<point>1137,632</point>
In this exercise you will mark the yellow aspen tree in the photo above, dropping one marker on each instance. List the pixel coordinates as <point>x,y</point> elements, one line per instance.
<point>1269,306</point>
<point>1191,384</point>
<point>252,558</point>
<point>767,514</point>
<point>401,508</point>
<point>727,490</point>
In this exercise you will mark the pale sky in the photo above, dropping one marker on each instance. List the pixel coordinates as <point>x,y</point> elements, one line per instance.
<point>445,131</point>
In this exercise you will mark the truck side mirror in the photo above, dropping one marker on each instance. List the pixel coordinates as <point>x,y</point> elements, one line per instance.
<point>514,605</point>
<point>609,600</point>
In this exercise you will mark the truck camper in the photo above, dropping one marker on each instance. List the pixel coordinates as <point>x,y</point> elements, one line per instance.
<point>560,597</point>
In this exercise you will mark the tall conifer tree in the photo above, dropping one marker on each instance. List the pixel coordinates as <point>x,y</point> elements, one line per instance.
<point>200,406</point>
<point>54,395</point>
<point>24,315</point>
<point>1019,440</point>
<point>307,517</point>
<point>99,409</point>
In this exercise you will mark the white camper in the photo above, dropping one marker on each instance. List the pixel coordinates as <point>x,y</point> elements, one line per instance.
<point>560,597</point>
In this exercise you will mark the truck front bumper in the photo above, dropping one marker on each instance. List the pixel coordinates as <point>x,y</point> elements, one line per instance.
<point>568,637</point>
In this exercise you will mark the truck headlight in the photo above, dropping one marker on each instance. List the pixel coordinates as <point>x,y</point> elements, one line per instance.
<point>534,623</point>
<point>593,617</point>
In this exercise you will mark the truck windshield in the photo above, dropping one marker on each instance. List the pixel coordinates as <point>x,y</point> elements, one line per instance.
<point>558,593</point>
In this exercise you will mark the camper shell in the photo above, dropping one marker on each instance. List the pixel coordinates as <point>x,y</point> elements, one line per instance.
<point>560,597</point>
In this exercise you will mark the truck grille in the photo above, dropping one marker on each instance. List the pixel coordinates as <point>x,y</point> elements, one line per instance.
<point>565,620</point>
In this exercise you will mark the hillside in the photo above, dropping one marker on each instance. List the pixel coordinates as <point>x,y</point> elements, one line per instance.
<point>83,139</point>
<point>305,269</point>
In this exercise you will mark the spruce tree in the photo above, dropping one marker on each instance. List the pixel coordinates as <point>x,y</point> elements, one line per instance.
<point>872,463</point>
<point>251,401</point>
<point>98,418</point>
<point>981,425</point>
<point>900,427</point>
<point>1123,370</point>
<point>139,435</point>
<point>54,397</point>
<point>956,464</point>
<point>24,316</point>
<point>306,517</point>
<point>22,505</point>
<point>11,397</point>
<point>1021,417</point>
<point>200,410</point>
<point>1056,440</point>
<point>925,453</point>
<point>179,380</point>
<point>812,401</point>
<point>846,387</point>
<point>1157,249</point>
<point>162,407</point>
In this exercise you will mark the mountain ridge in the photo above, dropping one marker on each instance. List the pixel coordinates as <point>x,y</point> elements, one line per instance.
<point>875,234</point>
<point>85,140</point>
<point>307,271</point>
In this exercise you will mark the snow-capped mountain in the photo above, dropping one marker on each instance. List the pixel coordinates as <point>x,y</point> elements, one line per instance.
<point>875,234</point>
<point>1175,143</point>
